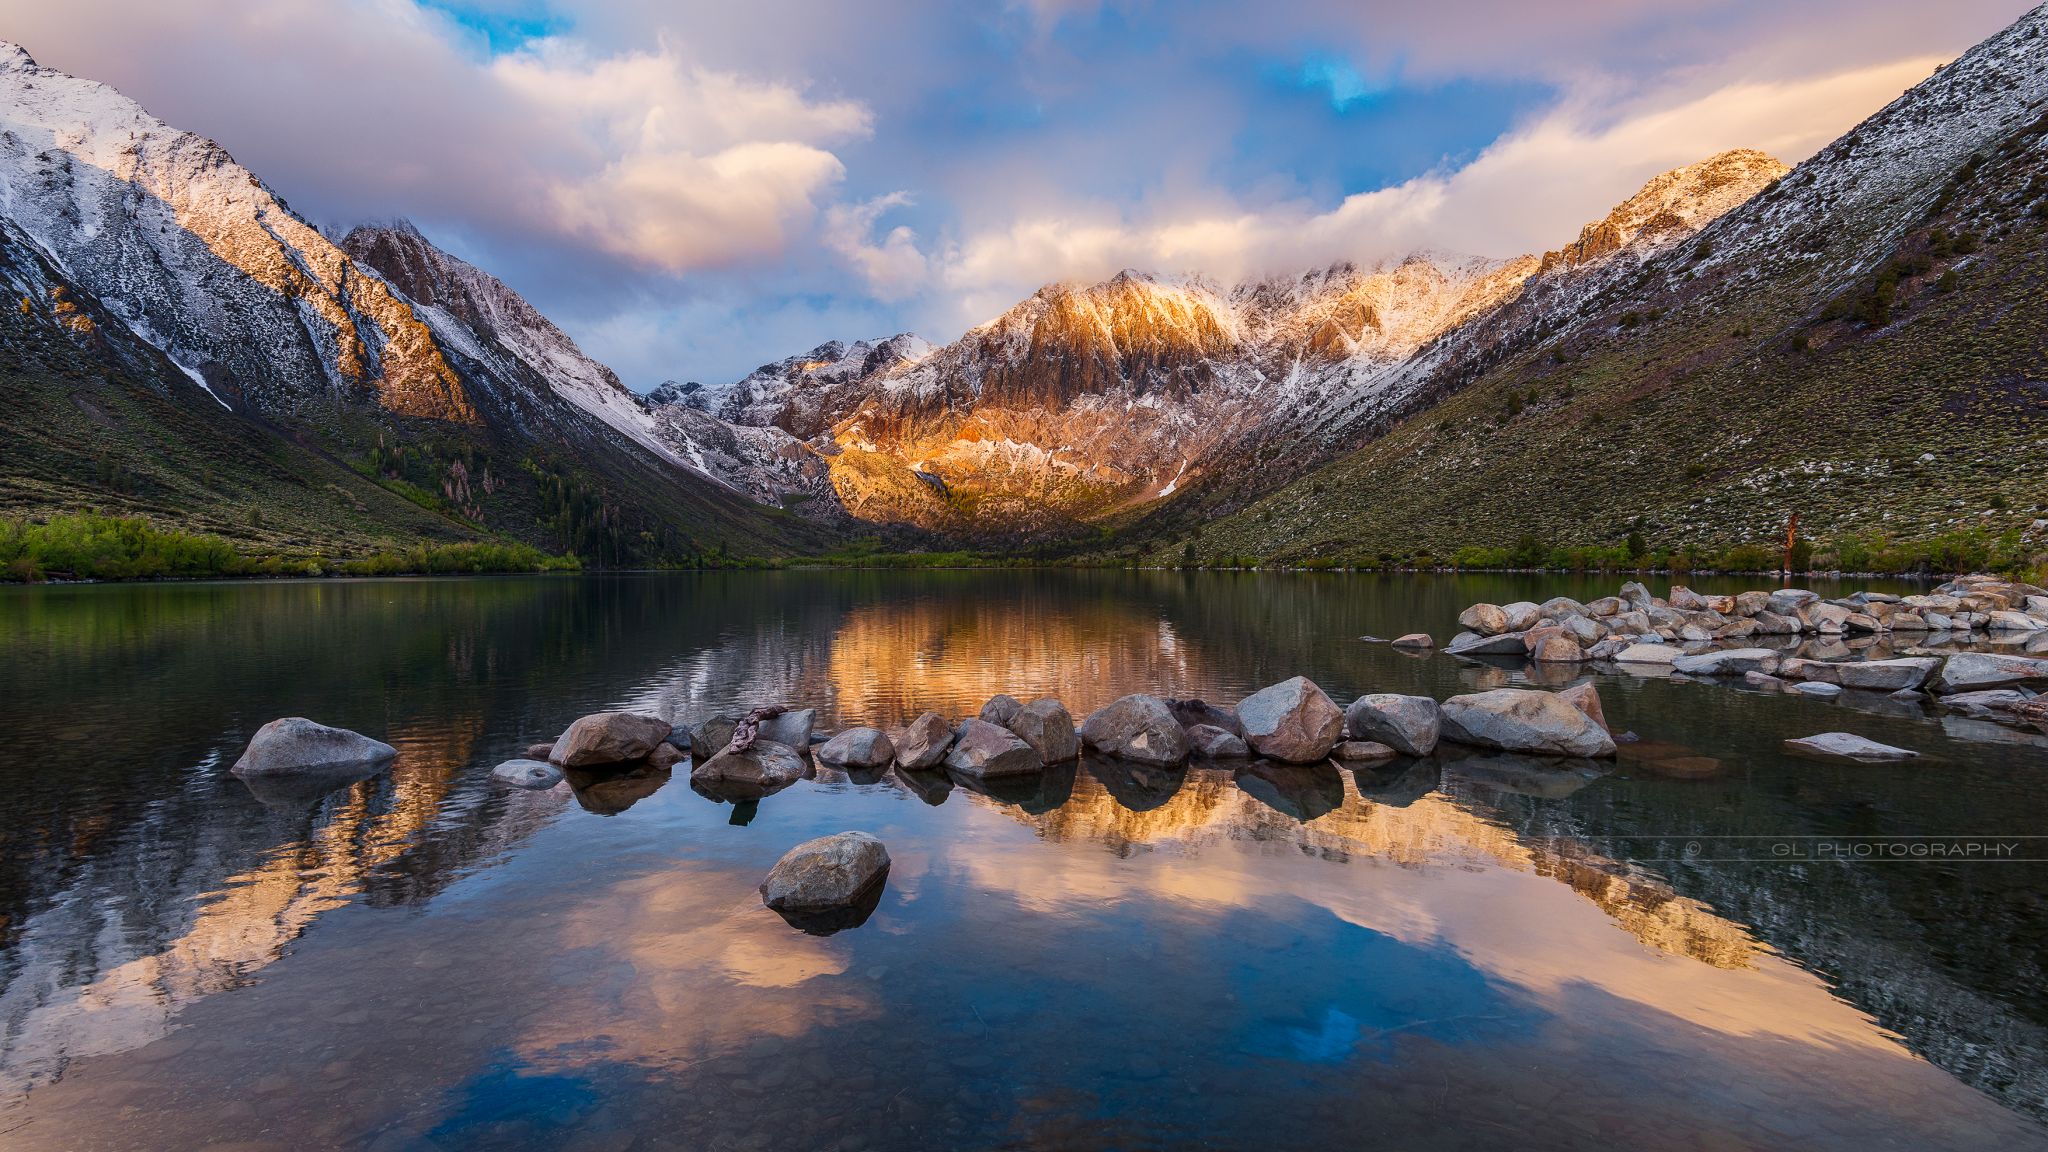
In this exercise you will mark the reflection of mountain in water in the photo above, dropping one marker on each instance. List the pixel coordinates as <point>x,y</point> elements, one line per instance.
<point>1433,830</point>
<point>211,886</point>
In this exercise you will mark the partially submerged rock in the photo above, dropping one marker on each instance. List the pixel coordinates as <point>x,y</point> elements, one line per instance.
<point>609,738</point>
<point>1886,675</point>
<point>1727,662</point>
<point>1137,727</point>
<point>1848,745</point>
<point>1408,724</point>
<point>298,745</point>
<point>711,735</point>
<point>1971,671</point>
<point>1362,751</point>
<point>1293,720</point>
<point>1414,640</point>
<point>1648,654</point>
<point>828,884</point>
<point>527,774</point>
<point>764,767</point>
<point>1498,644</point>
<point>1000,710</point>
<point>1212,743</point>
<point>924,743</point>
<point>1046,725</point>
<point>1519,720</point>
<point>984,750</point>
<point>857,748</point>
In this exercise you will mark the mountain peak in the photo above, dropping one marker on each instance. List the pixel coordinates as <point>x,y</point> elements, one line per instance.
<point>15,58</point>
<point>1671,206</point>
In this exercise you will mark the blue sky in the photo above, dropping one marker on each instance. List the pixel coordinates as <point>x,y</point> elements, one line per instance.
<point>695,188</point>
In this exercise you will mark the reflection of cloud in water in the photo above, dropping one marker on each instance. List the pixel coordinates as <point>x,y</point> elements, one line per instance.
<point>1429,873</point>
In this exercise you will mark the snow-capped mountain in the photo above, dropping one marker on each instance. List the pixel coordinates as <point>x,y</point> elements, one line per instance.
<point>1085,399</point>
<point>473,311</point>
<point>197,257</point>
<point>381,354</point>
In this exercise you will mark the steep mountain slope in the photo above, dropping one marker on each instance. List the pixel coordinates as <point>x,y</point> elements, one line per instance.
<point>463,403</point>
<point>1862,344</point>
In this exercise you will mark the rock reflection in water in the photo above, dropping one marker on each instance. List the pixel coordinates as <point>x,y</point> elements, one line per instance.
<point>609,793</point>
<point>1302,791</point>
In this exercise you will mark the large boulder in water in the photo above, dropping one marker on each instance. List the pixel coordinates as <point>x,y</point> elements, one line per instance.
<point>857,748</point>
<point>1407,724</point>
<point>1519,720</point>
<point>1894,675</point>
<point>1048,727</point>
<point>1293,721</point>
<point>1137,727</point>
<point>298,745</point>
<point>830,883</point>
<point>1001,709</point>
<point>984,750</point>
<point>923,742</point>
<point>765,766</point>
<point>609,738</point>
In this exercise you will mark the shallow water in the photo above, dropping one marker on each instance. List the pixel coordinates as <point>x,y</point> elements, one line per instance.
<point>1465,952</point>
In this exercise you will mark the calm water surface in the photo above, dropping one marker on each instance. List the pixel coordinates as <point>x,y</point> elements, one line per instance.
<point>1467,952</point>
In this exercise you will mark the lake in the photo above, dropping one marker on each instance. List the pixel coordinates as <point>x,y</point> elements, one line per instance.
<point>1471,951</point>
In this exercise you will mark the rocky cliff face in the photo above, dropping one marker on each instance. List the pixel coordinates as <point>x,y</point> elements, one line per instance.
<point>196,256</point>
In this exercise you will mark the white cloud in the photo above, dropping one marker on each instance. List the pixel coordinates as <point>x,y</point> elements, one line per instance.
<point>893,269</point>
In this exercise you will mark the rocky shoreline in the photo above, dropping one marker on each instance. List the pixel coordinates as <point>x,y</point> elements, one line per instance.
<point>1793,640</point>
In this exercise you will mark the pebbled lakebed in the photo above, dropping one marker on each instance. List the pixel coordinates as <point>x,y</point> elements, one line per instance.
<point>1692,946</point>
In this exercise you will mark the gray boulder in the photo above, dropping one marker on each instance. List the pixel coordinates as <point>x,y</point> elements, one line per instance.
<point>1292,721</point>
<point>791,728</point>
<point>1788,601</point>
<point>1212,743</point>
<point>527,774</point>
<point>298,745</point>
<point>1970,671</point>
<point>609,738</point>
<point>1727,662</point>
<point>1563,607</point>
<point>1795,668</point>
<point>826,876</point>
<point>1637,597</point>
<point>1522,615</point>
<point>1484,619</point>
<point>766,765</point>
<point>1474,644</point>
<point>923,742</point>
<point>1137,727</point>
<point>984,750</point>
<point>1046,725</point>
<point>857,748</point>
<point>710,736</point>
<point>1414,640</point>
<point>1887,675</point>
<point>1408,724</point>
<point>1847,745</point>
<point>1990,702</point>
<point>1000,710</point>
<point>1751,603</point>
<point>1648,654</point>
<point>1586,698</point>
<point>1824,689</point>
<point>1518,720</point>
<point>2010,621</point>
